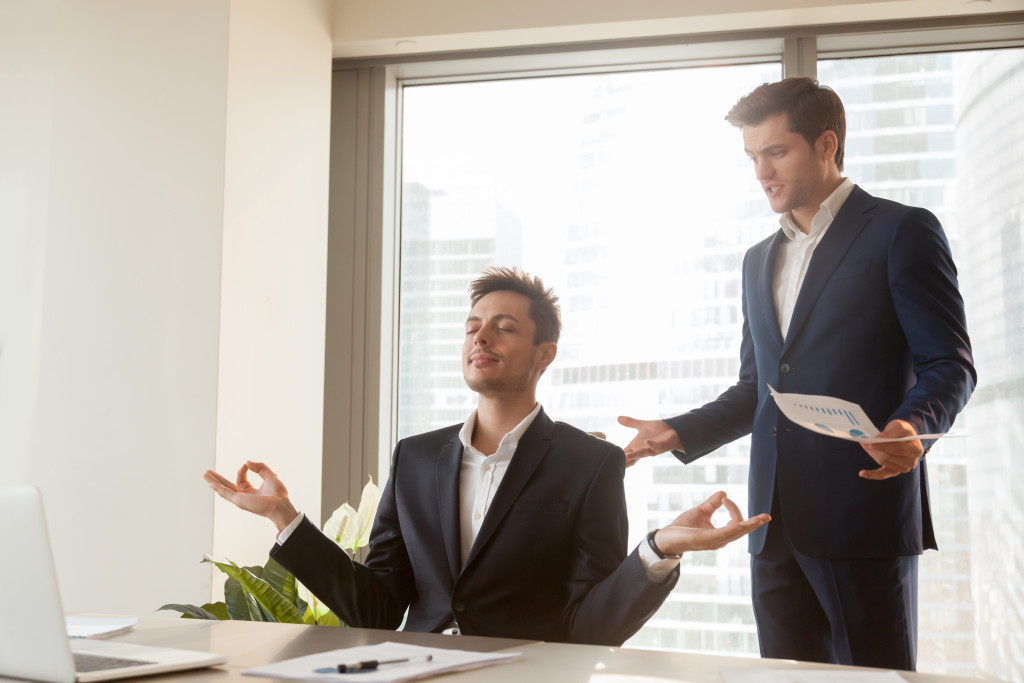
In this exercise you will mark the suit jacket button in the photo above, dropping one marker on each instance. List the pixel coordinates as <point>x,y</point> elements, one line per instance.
<point>785,368</point>
<point>459,607</point>
<point>773,431</point>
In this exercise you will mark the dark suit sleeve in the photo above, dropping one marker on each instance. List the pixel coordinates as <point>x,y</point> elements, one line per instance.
<point>610,597</point>
<point>731,415</point>
<point>925,295</point>
<point>374,595</point>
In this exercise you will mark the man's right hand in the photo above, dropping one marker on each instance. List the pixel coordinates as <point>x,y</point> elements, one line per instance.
<point>270,500</point>
<point>652,437</point>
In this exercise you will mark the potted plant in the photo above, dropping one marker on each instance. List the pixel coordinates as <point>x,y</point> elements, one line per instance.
<point>271,592</point>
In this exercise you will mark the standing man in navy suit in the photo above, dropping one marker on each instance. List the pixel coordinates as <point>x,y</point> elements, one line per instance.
<point>508,525</point>
<point>854,297</point>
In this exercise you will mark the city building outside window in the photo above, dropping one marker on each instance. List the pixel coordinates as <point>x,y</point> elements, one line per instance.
<point>631,196</point>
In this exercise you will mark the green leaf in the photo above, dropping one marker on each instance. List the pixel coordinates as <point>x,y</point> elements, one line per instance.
<point>255,570</point>
<point>329,619</point>
<point>264,614</point>
<point>284,583</point>
<point>262,601</point>
<point>193,612</point>
<point>217,609</point>
<point>237,601</point>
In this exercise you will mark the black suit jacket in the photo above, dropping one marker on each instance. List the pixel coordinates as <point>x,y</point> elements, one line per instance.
<point>549,562</point>
<point>878,321</point>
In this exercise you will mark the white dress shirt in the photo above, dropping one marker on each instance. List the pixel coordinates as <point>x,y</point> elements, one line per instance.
<point>481,475</point>
<point>794,254</point>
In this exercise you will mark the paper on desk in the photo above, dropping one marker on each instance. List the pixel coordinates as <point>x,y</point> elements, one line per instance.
<point>834,417</point>
<point>305,668</point>
<point>94,627</point>
<point>763,675</point>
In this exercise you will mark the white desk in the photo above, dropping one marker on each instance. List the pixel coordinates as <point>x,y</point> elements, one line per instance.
<point>594,664</point>
<point>253,644</point>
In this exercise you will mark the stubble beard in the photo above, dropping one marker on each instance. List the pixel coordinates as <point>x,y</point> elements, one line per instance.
<point>499,384</point>
<point>794,201</point>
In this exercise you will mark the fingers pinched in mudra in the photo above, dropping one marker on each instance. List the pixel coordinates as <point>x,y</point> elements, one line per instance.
<point>219,483</point>
<point>700,516</point>
<point>734,510</point>
<point>242,479</point>
<point>677,538</point>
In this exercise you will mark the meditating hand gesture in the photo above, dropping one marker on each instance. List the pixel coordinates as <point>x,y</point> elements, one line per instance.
<point>693,529</point>
<point>270,500</point>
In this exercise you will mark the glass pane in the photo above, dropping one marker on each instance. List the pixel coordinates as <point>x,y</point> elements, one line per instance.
<point>623,189</point>
<point>946,131</point>
<point>631,196</point>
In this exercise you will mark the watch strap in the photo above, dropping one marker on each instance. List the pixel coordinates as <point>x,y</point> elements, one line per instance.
<point>658,551</point>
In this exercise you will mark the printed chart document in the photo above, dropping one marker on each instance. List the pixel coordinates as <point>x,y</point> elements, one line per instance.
<point>834,417</point>
<point>756,675</point>
<point>323,666</point>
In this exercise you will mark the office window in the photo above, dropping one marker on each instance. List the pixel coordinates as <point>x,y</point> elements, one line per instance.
<point>946,131</point>
<point>629,194</point>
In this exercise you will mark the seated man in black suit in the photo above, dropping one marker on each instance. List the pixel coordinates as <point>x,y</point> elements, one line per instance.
<point>509,525</point>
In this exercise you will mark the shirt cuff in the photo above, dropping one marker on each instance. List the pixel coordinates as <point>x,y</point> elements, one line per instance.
<point>287,531</point>
<point>657,569</point>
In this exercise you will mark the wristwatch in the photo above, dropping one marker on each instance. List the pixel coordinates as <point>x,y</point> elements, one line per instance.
<point>657,551</point>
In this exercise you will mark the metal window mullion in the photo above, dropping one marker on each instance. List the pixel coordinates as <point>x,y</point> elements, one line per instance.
<point>800,57</point>
<point>360,311</point>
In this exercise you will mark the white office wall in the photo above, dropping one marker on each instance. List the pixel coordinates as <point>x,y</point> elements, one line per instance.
<point>111,202</point>
<point>147,148</point>
<point>26,53</point>
<point>273,291</point>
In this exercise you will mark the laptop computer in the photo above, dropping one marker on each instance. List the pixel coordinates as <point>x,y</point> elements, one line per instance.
<point>33,637</point>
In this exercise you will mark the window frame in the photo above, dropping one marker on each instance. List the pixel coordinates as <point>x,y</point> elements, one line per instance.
<point>361,383</point>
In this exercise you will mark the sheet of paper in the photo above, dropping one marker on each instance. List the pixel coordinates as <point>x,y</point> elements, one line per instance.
<point>95,627</point>
<point>316,667</point>
<point>834,417</point>
<point>764,675</point>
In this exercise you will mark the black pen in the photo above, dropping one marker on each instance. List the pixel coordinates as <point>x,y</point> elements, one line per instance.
<point>370,664</point>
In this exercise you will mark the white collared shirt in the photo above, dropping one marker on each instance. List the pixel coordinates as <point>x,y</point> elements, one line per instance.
<point>481,475</point>
<point>794,253</point>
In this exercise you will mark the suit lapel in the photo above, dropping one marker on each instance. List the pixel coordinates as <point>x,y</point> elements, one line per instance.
<point>449,465</point>
<point>530,451</point>
<point>765,288</point>
<point>845,228</point>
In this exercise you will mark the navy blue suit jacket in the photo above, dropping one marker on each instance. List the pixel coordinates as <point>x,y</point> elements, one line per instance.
<point>549,562</point>
<point>878,321</point>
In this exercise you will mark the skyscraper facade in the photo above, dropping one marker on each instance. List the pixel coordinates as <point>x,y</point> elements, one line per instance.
<point>653,209</point>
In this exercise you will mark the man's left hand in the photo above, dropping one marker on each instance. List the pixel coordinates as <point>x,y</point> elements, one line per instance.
<point>693,529</point>
<point>894,458</point>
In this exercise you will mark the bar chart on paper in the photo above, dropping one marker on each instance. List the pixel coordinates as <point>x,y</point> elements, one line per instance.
<point>834,417</point>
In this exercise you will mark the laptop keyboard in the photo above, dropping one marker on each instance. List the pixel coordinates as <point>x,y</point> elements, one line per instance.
<point>85,663</point>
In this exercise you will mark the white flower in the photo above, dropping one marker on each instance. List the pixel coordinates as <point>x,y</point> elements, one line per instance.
<point>350,528</point>
<point>318,608</point>
<point>340,524</point>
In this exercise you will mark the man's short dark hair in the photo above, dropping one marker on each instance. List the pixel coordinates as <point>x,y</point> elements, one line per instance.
<point>811,108</point>
<point>544,309</point>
